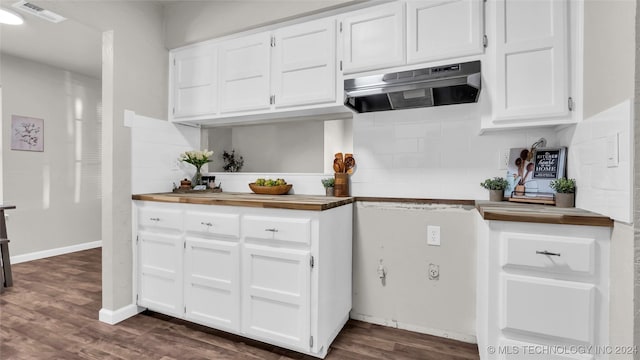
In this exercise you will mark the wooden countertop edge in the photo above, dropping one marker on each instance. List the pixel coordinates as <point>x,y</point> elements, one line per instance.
<point>271,204</point>
<point>518,215</point>
<point>416,200</point>
<point>561,219</point>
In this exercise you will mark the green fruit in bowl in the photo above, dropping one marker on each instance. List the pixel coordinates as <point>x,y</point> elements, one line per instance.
<point>281,182</point>
<point>260,182</point>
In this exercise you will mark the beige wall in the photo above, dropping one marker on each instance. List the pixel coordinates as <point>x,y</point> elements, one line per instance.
<point>57,192</point>
<point>609,68</point>
<point>134,77</point>
<point>192,21</point>
<point>609,54</point>
<point>397,234</point>
<point>135,64</point>
<point>621,288</point>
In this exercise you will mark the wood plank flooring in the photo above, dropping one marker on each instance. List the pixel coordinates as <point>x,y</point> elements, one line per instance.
<point>51,312</point>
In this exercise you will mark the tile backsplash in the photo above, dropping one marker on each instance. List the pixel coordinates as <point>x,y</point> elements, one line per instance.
<point>431,152</point>
<point>600,187</point>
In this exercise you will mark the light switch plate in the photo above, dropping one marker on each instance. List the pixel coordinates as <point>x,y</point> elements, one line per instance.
<point>613,145</point>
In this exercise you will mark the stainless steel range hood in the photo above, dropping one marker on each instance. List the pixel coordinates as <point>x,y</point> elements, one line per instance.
<point>442,85</point>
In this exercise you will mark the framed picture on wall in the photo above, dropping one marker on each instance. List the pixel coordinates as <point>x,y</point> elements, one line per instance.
<point>27,133</point>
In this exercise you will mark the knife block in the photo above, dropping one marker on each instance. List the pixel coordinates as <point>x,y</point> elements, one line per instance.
<point>341,186</point>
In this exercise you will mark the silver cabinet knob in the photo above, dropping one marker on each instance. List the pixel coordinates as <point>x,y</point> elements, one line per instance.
<point>274,230</point>
<point>206,223</point>
<point>154,219</point>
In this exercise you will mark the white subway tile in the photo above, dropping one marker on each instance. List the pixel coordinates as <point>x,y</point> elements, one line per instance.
<point>405,146</point>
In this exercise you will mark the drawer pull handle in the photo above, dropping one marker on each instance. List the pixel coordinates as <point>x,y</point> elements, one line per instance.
<point>154,219</point>
<point>206,223</point>
<point>545,252</point>
<point>272,230</point>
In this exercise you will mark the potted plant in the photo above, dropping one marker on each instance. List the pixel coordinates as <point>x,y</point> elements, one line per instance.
<point>496,187</point>
<point>196,158</point>
<point>328,184</point>
<point>565,192</point>
<point>231,163</point>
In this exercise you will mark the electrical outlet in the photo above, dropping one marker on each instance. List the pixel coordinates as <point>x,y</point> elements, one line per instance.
<point>434,272</point>
<point>433,235</point>
<point>503,159</point>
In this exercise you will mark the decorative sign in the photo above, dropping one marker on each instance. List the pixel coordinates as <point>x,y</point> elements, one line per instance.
<point>534,171</point>
<point>27,133</point>
<point>547,164</point>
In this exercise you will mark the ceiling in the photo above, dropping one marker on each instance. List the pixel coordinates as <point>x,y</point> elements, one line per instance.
<point>69,44</point>
<point>76,43</point>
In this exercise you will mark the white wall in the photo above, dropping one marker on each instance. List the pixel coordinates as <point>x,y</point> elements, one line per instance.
<point>57,192</point>
<point>192,21</point>
<point>156,146</point>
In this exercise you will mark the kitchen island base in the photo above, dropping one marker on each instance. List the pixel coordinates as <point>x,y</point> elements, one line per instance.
<point>278,276</point>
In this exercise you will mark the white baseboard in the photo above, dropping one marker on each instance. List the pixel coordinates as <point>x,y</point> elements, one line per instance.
<point>113,317</point>
<point>54,252</point>
<point>416,328</point>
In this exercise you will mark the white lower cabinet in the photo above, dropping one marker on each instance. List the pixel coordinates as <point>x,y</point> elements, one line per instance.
<point>543,291</point>
<point>160,270</point>
<point>276,294</point>
<point>254,272</point>
<point>212,277</point>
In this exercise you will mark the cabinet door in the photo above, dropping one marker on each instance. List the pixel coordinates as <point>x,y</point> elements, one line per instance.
<point>374,38</point>
<point>276,295</point>
<point>438,29</point>
<point>532,79</point>
<point>212,293</point>
<point>194,81</point>
<point>304,65</point>
<point>548,307</point>
<point>160,272</point>
<point>244,73</point>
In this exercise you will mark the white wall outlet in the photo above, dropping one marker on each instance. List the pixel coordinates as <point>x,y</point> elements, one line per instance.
<point>503,159</point>
<point>433,235</point>
<point>434,272</point>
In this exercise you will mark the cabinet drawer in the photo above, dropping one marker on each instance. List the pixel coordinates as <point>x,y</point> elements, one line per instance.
<point>210,223</point>
<point>154,217</point>
<point>548,307</point>
<point>557,254</point>
<point>296,230</point>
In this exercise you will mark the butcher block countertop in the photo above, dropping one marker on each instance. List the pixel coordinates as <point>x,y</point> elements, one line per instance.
<point>293,202</point>
<point>508,211</point>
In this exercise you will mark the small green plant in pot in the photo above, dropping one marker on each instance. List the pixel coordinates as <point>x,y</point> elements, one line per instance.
<point>328,184</point>
<point>496,187</point>
<point>565,192</point>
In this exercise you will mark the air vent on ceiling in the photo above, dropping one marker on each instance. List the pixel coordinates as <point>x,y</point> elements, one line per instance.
<point>36,10</point>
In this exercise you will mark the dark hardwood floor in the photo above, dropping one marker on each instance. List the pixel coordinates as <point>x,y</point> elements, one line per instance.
<point>51,312</point>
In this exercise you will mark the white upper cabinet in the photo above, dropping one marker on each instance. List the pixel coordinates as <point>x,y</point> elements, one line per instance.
<point>531,60</point>
<point>244,73</point>
<point>304,63</point>
<point>194,77</point>
<point>442,29</point>
<point>373,38</point>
